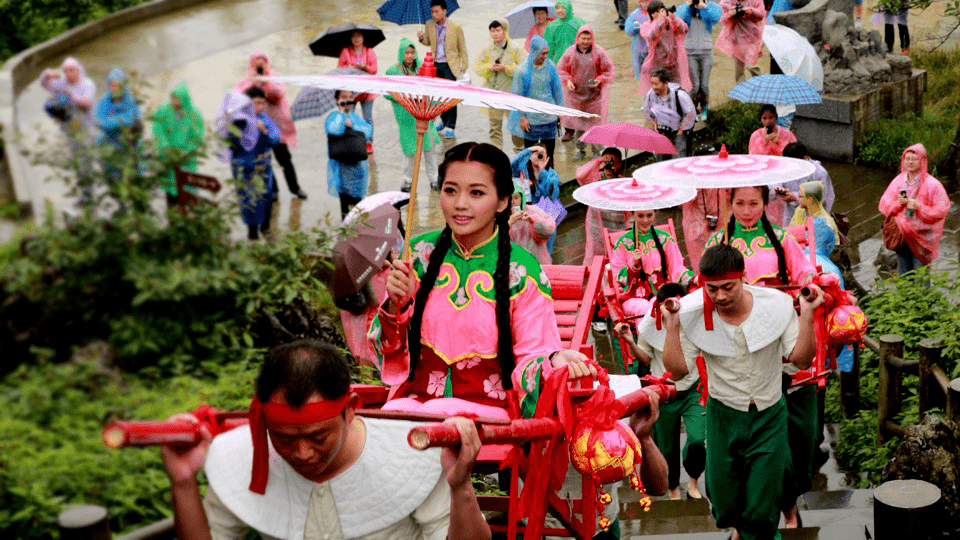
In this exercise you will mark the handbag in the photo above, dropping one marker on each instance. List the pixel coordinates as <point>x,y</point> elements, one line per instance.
<point>892,236</point>
<point>351,147</point>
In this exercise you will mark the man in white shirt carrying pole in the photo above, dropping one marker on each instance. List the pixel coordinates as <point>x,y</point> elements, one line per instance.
<point>745,334</point>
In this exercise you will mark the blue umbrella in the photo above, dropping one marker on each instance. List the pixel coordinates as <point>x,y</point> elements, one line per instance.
<point>776,90</point>
<point>312,101</point>
<point>410,11</point>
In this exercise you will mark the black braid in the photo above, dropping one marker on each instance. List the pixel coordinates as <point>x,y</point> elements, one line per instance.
<point>426,285</point>
<point>501,289</point>
<point>663,254</point>
<point>731,227</point>
<point>781,257</point>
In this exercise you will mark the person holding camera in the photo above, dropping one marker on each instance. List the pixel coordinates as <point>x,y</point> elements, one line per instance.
<point>670,110</point>
<point>699,16</point>
<point>117,114</point>
<point>918,204</point>
<point>586,71</point>
<point>362,58</point>
<point>608,165</point>
<point>770,140</point>
<point>278,109</point>
<point>347,135</point>
<point>638,47</point>
<point>496,65</point>
<point>70,105</point>
<point>664,34</point>
<point>530,227</point>
<point>741,34</point>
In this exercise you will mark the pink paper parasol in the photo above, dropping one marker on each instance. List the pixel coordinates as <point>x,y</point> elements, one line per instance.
<point>629,194</point>
<point>629,136</point>
<point>726,171</point>
<point>426,98</point>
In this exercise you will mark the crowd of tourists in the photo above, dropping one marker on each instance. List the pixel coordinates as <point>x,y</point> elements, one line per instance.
<point>467,323</point>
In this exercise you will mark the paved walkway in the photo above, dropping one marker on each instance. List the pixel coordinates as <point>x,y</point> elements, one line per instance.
<point>208,47</point>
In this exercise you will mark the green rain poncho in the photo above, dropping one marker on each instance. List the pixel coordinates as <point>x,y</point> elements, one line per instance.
<point>405,121</point>
<point>562,33</point>
<point>177,135</point>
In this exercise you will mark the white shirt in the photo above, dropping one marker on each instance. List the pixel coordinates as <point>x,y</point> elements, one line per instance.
<point>745,362</point>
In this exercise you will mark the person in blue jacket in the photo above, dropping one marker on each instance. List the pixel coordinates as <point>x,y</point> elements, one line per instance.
<point>638,48</point>
<point>700,17</point>
<point>347,180</point>
<point>252,164</point>
<point>533,166</point>
<point>117,115</point>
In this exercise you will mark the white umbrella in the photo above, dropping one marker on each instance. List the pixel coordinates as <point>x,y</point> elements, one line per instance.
<point>521,18</point>
<point>426,98</point>
<point>368,204</point>
<point>629,194</point>
<point>794,54</point>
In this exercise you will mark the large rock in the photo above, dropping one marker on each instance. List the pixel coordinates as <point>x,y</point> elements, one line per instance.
<point>930,451</point>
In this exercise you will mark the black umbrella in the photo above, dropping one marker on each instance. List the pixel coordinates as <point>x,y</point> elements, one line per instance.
<point>331,41</point>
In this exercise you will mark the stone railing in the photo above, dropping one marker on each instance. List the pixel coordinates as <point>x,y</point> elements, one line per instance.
<point>19,71</point>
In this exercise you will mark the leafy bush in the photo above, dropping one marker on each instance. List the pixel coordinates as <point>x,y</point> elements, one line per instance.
<point>732,124</point>
<point>915,307</point>
<point>25,23</point>
<point>884,141</point>
<point>51,454</point>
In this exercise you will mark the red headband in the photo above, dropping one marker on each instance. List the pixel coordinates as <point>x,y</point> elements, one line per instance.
<point>708,305</point>
<point>283,415</point>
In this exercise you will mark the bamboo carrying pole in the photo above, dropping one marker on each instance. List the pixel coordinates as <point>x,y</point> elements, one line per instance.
<point>424,109</point>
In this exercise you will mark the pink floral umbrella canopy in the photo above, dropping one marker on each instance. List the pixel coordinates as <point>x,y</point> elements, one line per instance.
<point>630,194</point>
<point>726,171</point>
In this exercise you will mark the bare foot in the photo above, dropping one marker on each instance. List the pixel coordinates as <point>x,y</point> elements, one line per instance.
<point>734,535</point>
<point>790,519</point>
<point>674,493</point>
<point>693,490</point>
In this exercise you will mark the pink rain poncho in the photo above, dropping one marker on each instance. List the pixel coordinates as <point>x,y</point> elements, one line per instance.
<point>742,37</point>
<point>581,68</point>
<point>356,325</point>
<point>665,50</point>
<point>696,224</point>
<point>348,58</point>
<point>278,109</point>
<point>776,208</point>
<point>923,230</point>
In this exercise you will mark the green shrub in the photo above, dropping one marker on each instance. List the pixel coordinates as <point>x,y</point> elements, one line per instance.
<point>732,124</point>
<point>884,141</point>
<point>907,306</point>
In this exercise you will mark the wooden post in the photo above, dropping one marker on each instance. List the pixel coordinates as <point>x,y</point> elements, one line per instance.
<point>84,522</point>
<point>931,394</point>
<point>906,509</point>
<point>850,386</point>
<point>888,395</point>
<point>953,401</point>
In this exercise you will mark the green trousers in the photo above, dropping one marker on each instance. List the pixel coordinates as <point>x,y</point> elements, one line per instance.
<point>747,459</point>
<point>666,433</point>
<point>802,426</point>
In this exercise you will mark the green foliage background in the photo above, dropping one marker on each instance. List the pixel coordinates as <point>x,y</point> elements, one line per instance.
<point>25,23</point>
<point>884,141</point>
<point>909,307</point>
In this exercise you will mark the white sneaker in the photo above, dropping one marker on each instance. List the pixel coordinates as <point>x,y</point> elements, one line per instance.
<point>600,327</point>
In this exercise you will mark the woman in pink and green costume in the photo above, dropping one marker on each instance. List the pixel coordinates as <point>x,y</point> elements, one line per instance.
<point>773,257</point>
<point>471,315</point>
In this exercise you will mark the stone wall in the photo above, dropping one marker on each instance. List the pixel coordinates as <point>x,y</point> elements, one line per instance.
<point>831,129</point>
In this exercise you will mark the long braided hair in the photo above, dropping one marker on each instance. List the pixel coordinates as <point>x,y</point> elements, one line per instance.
<point>767,229</point>
<point>499,164</point>
<point>663,254</point>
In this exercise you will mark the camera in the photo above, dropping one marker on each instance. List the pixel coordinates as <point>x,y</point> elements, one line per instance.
<point>712,222</point>
<point>738,10</point>
<point>903,193</point>
<point>344,103</point>
<point>540,155</point>
<point>260,70</point>
<point>497,61</point>
<point>769,130</point>
<point>672,9</point>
